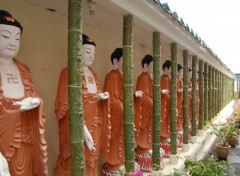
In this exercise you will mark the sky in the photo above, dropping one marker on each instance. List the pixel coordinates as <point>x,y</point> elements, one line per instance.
<point>217,22</point>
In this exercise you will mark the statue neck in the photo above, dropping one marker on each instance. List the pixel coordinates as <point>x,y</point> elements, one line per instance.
<point>5,60</point>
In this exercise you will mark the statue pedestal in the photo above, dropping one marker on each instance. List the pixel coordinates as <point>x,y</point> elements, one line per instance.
<point>145,160</point>
<point>173,159</point>
<point>205,128</point>
<point>185,147</point>
<point>106,172</point>
<point>166,148</point>
<point>156,173</point>
<point>194,139</point>
<point>121,171</point>
<point>180,139</point>
<point>200,132</point>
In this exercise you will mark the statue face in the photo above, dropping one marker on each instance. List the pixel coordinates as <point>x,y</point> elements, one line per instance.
<point>190,75</point>
<point>9,41</point>
<point>167,71</point>
<point>180,74</point>
<point>120,63</point>
<point>88,55</point>
<point>150,67</point>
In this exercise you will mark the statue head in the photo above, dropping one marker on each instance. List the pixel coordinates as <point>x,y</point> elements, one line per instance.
<point>117,59</point>
<point>189,73</point>
<point>88,50</point>
<point>180,71</point>
<point>197,75</point>
<point>147,64</point>
<point>10,34</point>
<point>167,67</point>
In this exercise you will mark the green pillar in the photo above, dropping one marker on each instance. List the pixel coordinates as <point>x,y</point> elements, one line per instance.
<point>128,92</point>
<point>75,87</point>
<point>194,98</point>
<point>209,92</point>
<point>201,94</point>
<point>173,99</point>
<point>222,91</point>
<point>217,92</point>
<point>156,101</point>
<point>213,93</point>
<point>185,97</point>
<point>217,85</point>
<point>205,91</point>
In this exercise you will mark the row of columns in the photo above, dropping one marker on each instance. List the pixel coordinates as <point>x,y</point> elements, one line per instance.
<point>216,90</point>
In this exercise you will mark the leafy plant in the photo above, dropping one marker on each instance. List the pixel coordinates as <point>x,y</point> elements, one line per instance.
<point>209,167</point>
<point>223,130</point>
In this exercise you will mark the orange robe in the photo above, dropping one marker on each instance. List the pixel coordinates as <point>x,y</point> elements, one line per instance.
<point>179,105</point>
<point>113,84</point>
<point>22,133</point>
<point>93,114</point>
<point>144,113</point>
<point>190,103</point>
<point>165,108</point>
<point>197,103</point>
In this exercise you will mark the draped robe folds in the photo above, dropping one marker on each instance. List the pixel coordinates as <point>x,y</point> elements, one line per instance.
<point>190,103</point>
<point>197,103</point>
<point>96,118</point>
<point>113,84</point>
<point>143,107</point>
<point>22,133</point>
<point>179,106</point>
<point>165,108</point>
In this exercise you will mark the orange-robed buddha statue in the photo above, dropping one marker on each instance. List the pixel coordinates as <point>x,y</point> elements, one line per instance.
<point>180,98</point>
<point>143,117</point>
<point>22,118</point>
<point>143,106</point>
<point>95,114</point>
<point>165,101</point>
<point>114,85</point>
<point>190,100</point>
<point>180,104</point>
<point>197,100</point>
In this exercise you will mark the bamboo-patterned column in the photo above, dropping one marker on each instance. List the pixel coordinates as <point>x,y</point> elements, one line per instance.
<point>205,91</point>
<point>185,97</point>
<point>213,93</point>
<point>219,92</point>
<point>156,102</point>
<point>173,99</point>
<point>233,82</point>
<point>75,87</point>
<point>216,91</point>
<point>201,94</point>
<point>222,91</point>
<point>217,85</point>
<point>128,92</point>
<point>194,98</point>
<point>209,92</point>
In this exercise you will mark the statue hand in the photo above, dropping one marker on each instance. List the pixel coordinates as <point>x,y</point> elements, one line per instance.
<point>165,91</point>
<point>138,93</point>
<point>180,90</point>
<point>27,103</point>
<point>88,139</point>
<point>4,166</point>
<point>103,96</point>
